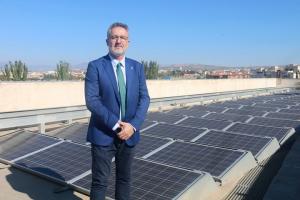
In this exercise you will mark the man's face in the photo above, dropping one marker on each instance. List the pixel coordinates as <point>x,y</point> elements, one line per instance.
<point>117,41</point>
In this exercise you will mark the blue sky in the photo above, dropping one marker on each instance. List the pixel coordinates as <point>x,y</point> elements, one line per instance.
<point>223,32</point>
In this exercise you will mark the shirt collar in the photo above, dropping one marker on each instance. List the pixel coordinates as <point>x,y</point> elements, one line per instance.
<point>115,61</point>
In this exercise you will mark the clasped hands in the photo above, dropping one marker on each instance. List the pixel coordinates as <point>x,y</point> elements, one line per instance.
<point>127,130</point>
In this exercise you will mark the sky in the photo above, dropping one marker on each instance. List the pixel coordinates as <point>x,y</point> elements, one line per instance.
<point>213,32</point>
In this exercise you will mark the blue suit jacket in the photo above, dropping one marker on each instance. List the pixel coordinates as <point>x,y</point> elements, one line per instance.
<point>103,100</point>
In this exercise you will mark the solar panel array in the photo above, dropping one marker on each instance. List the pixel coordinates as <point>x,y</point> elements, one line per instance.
<point>163,117</point>
<point>149,144</point>
<point>174,150</point>
<point>19,144</point>
<point>291,116</point>
<point>151,181</point>
<point>260,108</point>
<point>174,132</point>
<point>64,161</point>
<point>197,157</point>
<point>234,141</point>
<point>260,130</point>
<point>205,123</point>
<point>228,117</point>
<point>76,133</point>
<point>292,111</point>
<point>246,112</point>
<point>274,122</point>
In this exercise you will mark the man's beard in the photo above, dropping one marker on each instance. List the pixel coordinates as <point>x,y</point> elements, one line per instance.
<point>116,53</point>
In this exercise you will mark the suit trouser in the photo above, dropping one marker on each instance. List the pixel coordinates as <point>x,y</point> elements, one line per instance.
<point>101,169</point>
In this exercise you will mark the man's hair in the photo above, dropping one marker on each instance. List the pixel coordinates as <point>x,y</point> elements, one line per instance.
<point>116,24</point>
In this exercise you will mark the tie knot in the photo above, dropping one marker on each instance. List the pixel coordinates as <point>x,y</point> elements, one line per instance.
<point>119,65</point>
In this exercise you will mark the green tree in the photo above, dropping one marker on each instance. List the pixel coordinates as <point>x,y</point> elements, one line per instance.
<point>151,69</point>
<point>145,64</point>
<point>16,71</point>
<point>63,71</point>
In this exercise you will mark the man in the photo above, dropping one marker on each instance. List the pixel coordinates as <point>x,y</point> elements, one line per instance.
<point>117,96</point>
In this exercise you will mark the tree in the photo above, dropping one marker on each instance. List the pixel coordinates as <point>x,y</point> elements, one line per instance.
<point>63,71</point>
<point>151,69</point>
<point>16,71</point>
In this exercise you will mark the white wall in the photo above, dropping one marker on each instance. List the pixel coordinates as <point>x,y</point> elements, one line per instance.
<point>36,95</point>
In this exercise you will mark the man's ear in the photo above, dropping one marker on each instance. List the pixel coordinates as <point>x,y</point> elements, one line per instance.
<point>106,42</point>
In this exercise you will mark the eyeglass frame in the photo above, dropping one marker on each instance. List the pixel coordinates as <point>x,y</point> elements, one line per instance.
<point>116,37</point>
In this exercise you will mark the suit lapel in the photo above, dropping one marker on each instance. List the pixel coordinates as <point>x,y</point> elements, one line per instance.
<point>111,74</point>
<point>129,78</point>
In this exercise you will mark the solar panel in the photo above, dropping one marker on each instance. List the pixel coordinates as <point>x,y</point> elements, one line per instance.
<point>148,144</point>
<point>245,112</point>
<point>227,104</point>
<point>274,122</point>
<point>189,112</point>
<point>151,181</point>
<point>198,157</point>
<point>248,101</point>
<point>205,123</point>
<point>64,161</point>
<point>287,102</point>
<point>18,144</point>
<point>283,115</point>
<point>271,105</point>
<point>146,124</point>
<point>259,108</point>
<point>228,117</point>
<point>260,130</point>
<point>228,140</point>
<point>295,107</point>
<point>76,132</point>
<point>208,108</point>
<point>292,111</point>
<point>174,132</point>
<point>163,117</point>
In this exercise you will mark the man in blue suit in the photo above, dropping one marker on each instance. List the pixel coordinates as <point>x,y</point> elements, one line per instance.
<point>117,96</point>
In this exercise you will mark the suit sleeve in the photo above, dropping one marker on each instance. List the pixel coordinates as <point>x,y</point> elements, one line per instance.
<point>144,101</point>
<point>93,99</point>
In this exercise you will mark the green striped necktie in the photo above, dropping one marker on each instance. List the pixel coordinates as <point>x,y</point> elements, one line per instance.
<point>122,89</point>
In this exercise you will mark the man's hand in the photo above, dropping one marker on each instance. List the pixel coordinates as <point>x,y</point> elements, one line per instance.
<point>126,132</point>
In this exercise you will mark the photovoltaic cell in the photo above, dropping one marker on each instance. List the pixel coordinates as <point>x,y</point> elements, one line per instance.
<point>197,157</point>
<point>245,112</point>
<point>163,117</point>
<point>150,181</point>
<point>208,108</point>
<point>270,105</point>
<point>18,144</point>
<point>274,122</point>
<point>228,140</point>
<point>146,124</point>
<point>291,111</point>
<point>259,108</point>
<point>76,132</point>
<point>227,104</point>
<point>283,116</point>
<point>260,130</point>
<point>295,107</point>
<point>174,131</point>
<point>148,144</point>
<point>228,117</point>
<point>189,112</point>
<point>205,123</point>
<point>64,161</point>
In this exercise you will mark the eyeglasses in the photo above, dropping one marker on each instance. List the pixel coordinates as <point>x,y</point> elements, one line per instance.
<point>116,37</point>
